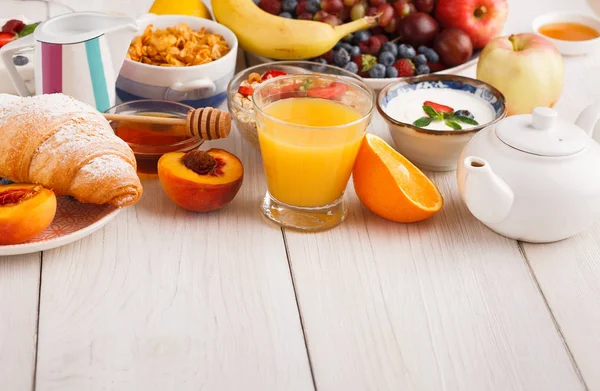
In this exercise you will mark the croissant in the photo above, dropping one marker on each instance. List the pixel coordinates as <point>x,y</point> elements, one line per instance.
<point>67,146</point>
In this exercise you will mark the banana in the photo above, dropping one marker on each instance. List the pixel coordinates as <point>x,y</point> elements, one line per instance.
<point>278,38</point>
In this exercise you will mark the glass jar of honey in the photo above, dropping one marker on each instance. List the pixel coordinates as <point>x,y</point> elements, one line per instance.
<point>150,141</point>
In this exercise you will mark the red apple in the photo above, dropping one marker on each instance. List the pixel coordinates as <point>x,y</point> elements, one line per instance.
<point>481,19</point>
<point>526,68</point>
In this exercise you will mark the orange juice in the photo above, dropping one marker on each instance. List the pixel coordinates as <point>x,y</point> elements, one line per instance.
<point>309,146</point>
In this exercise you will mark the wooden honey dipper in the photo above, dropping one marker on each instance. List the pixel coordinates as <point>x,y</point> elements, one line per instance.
<point>206,123</point>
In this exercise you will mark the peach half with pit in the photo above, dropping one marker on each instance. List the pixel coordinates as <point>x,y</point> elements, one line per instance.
<point>25,211</point>
<point>201,181</point>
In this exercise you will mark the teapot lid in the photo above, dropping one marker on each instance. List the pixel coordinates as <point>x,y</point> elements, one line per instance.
<point>542,133</point>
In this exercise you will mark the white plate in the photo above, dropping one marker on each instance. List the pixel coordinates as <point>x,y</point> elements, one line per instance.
<point>376,84</point>
<point>73,221</point>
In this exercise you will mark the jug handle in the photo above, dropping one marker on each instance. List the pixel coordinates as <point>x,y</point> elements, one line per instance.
<point>188,86</point>
<point>588,118</point>
<point>6,56</point>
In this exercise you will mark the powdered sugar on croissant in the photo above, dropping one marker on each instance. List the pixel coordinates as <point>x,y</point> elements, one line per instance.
<point>66,145</point>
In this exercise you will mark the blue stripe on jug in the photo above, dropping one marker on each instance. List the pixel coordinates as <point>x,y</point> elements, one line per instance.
<point>96,67</point>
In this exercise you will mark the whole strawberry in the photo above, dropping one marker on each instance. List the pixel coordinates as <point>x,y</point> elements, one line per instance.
<point>365,62</point>
<point>405,67</point>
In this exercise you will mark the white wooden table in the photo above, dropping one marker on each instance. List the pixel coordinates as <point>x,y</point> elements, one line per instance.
<point>162,299</point>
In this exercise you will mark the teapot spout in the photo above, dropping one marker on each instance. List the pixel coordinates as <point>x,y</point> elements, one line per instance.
<point>487,196</point>
<point>587,120</point>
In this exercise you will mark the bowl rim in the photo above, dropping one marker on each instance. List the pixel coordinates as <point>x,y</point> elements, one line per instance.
<point>247,71</point>
<point>150,101</point>
<point>417,79</point>
<point>557,17</point>
<point>354,83</point>
<point>149,18</point>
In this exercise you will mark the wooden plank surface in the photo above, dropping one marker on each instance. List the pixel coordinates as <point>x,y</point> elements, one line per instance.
<point>19,292</point>
<point>440,305</point>
<point>164,299</point>
<point>568,272</point>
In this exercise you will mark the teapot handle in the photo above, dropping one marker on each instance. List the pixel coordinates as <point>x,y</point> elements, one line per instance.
<point>6,56</point>
<point>588,118</point>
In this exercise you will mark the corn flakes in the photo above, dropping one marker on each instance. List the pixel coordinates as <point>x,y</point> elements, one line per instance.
<point>177,46</point>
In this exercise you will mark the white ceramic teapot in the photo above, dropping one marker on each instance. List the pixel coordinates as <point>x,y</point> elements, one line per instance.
<point>534,178</point>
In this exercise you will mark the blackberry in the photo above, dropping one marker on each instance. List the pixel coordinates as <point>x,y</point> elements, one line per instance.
<point>465,113</point>
<point>406,51</point>
<point>289,5</point>
<point>352,67</point>
<point>341,57</point>
<point>387,58</point>
<point>378,71</point>
<point>286,15</point>
<point>391,72</point>
<point>390,47</point>
<point>313,6</point>
<point>423,70</point>
<point>420,59</point>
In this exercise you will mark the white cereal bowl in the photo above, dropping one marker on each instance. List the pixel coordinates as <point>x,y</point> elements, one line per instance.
<point>197,86</point>
<point>570,48</point>
<point>436,150</point>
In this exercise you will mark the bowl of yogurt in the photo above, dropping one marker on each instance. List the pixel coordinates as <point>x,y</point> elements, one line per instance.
<point>431,118</point>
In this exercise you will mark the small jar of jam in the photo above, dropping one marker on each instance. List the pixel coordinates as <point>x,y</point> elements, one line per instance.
<point>149,141</point>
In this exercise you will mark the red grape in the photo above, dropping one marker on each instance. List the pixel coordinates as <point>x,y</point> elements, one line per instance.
<point>320,16</point>
<point>357,11</point>
<point>376,3</point>
<point>418,29</point>
<point>402,8</point>
<point>332,20</point>
<point>387,14</point>
<point>424,5</point>
<point>392,26</point>
<point>332,6</point>
<point>305,16</point>
<point>371,11</point>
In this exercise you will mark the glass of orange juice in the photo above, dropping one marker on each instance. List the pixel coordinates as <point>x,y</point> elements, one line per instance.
<point>310,128</point>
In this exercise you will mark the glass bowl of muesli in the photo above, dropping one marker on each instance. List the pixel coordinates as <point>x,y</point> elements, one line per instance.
<point>241,87</point>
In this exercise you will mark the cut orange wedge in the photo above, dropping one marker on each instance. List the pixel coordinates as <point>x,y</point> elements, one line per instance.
<point>391,186</point>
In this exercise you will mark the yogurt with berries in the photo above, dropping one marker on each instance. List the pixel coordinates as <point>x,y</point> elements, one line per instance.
<point>452,109</point>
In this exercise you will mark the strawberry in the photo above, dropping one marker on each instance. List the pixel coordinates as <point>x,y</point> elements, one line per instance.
<point>405,67</point>
<point>438,107</point>
<point>13,26</point>
<point>365,62</point>
<point>245,90</point>
<point>333,91</point>
<point>272,73</point>
<point>436,67</point>
<point>371,46</point>
<point>271,6</point>
<point>6,38</point>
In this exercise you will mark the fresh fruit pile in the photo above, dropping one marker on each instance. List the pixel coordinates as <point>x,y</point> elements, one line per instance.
<point>414,37</point>
<point>14,29</point>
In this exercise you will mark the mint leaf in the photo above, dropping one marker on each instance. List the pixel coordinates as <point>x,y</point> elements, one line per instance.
<point>466,120</point>
<point>453,125</point>
<point>422,122</point>
<point>431,112</point>
<point>449,115</point>
<point>28,29</point>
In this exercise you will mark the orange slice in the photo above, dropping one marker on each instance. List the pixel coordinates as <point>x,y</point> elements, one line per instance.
<point>391,186</point>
